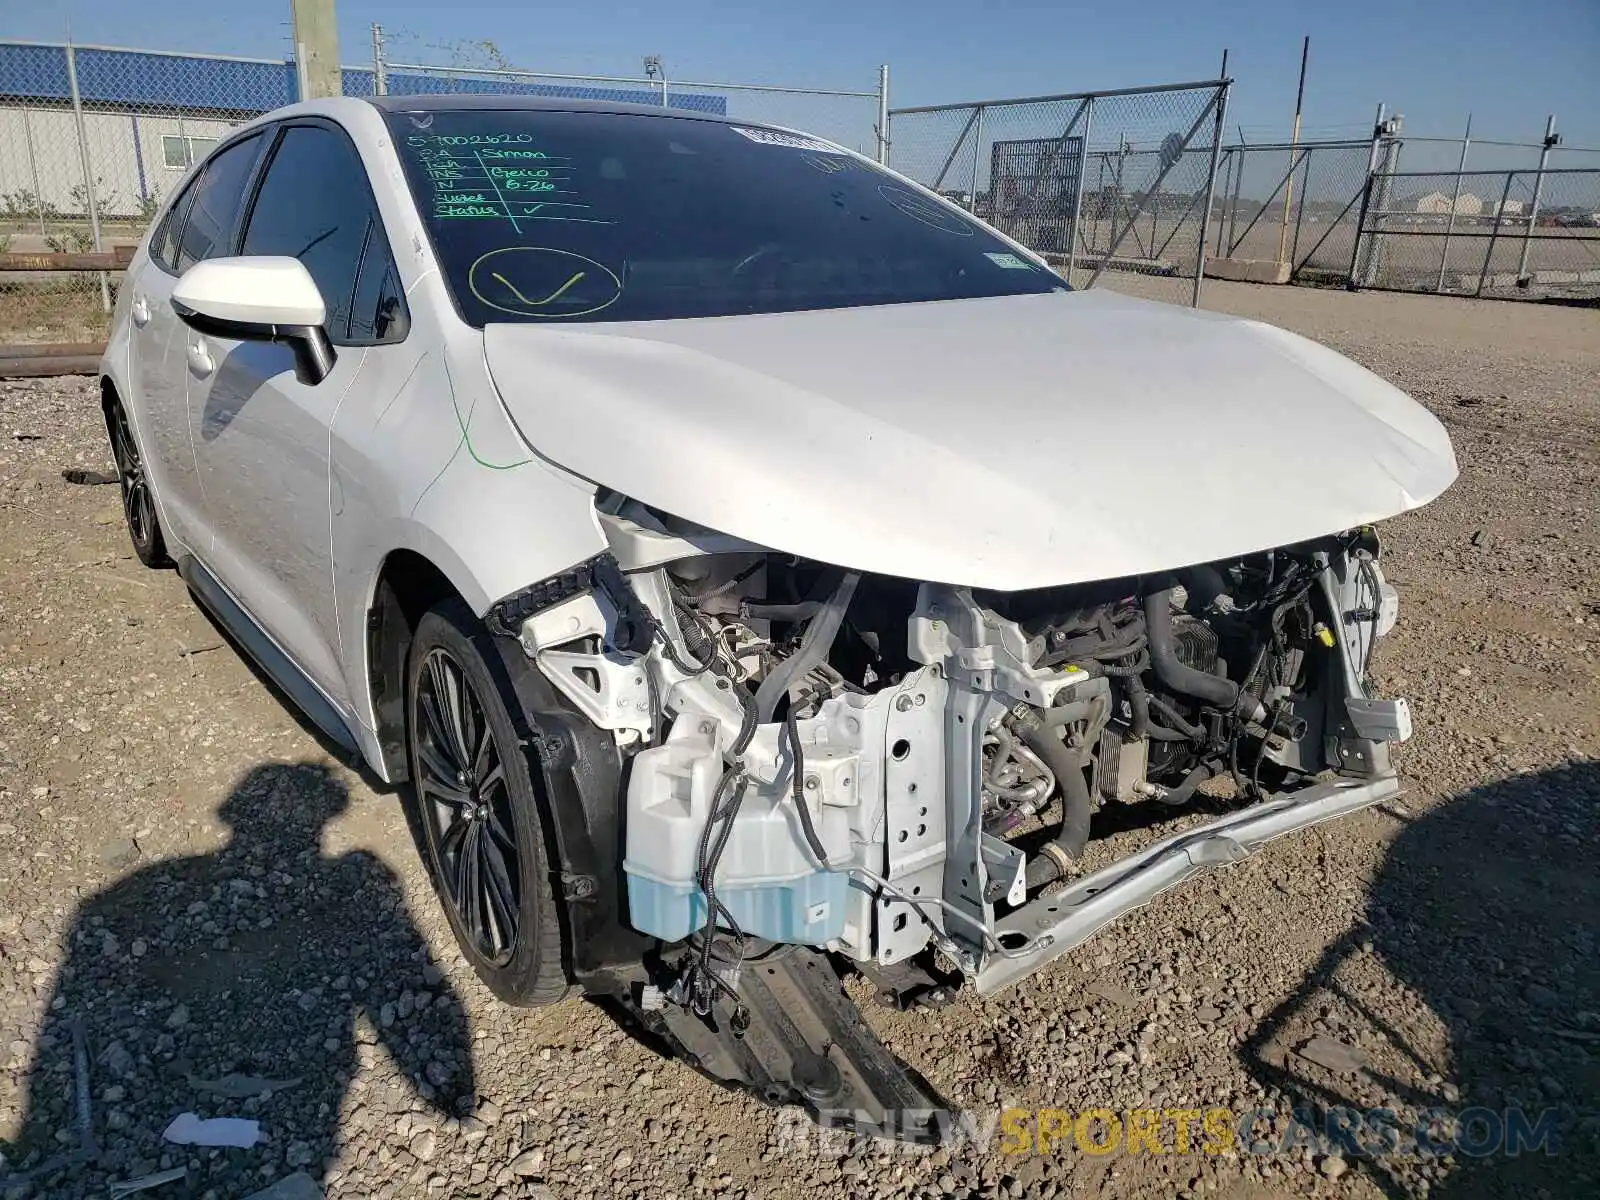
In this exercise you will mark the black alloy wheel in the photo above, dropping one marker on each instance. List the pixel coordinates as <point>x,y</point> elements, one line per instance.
<point>138,502</point>
<point>481,818</point>
<point>461,781</point>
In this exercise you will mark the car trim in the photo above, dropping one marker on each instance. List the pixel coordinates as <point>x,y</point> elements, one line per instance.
<point>1054,924</point>
<point>299,687</point>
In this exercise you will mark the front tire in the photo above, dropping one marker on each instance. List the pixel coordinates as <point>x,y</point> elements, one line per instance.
<point>483,831</point>
<point>138,501</point>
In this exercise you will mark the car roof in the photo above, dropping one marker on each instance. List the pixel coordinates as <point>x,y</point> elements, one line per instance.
<point>491,102</point>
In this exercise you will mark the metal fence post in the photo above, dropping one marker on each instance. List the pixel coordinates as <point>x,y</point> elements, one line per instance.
<point>977,151</point>
<point>1227,189</point>
<point>1077,199</point>
<point>380,69</point>
<point>883,115</point>
<point>1391,167</point>
<point>33,168</point>
<point>1232,208</point>
<point>1494,237</point>
<point>88,170</point>
<point>1357,257</point>
<point>1550,139</point>
<point>1211,188</point>
<point>1455,199</point>
<point>1300,213</point>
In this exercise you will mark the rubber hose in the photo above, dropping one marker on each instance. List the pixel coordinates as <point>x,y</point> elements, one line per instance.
<point>1066,714</point>
<point>1076,804</point>
<point>1138,709</point>
<point>1204,584</point>
<point>1174,718</point>
<point>1184,680</point>
<point>814,646</point>
<point>1186,789</point>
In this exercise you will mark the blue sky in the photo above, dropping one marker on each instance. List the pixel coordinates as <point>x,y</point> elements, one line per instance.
<point>1433,60</point>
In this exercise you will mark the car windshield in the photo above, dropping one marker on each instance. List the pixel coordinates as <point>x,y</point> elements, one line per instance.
<point>595,216</point>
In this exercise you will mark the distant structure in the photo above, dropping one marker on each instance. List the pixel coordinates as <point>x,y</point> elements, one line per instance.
<point>149,114</point>
<point>1439,204</point>
<point>1467,205</point>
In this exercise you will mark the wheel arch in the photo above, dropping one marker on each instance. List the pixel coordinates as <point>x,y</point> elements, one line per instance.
<point>407,584</point>
<point>578,767</point>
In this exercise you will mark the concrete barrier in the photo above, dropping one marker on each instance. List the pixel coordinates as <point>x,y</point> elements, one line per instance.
<point>1248,270</point>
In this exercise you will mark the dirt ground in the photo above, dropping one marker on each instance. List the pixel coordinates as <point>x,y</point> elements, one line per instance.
<point>189,877</point>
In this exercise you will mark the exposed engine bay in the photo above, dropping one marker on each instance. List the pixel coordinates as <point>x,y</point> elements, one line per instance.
<point>894,770</point>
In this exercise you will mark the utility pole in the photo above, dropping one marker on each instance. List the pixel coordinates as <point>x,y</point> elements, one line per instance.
<point>316,49</point>
<point>1294,145</point>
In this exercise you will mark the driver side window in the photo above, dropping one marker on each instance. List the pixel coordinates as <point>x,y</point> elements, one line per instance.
<point>314,204</point>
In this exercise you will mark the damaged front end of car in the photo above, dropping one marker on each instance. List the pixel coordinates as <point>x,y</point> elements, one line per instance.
<point>826,769</point>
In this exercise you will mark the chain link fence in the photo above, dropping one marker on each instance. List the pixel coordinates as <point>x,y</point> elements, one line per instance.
<point>851,118</point>
<point>92,140</point>
<point>1296,204</point>
<point>1113,187</point>
<point>1526,234</point>
<point>1130,188</point>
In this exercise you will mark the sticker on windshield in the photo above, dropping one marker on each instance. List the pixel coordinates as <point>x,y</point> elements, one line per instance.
<point>1010,261</point>
<point>794,141</point>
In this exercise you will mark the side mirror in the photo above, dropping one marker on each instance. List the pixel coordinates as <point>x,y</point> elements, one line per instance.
<point>259,299</point>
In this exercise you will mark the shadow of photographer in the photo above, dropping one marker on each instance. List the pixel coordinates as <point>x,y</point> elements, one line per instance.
<point>200,984</point>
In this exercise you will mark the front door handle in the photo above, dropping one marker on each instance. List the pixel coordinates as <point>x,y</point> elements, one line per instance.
<point>140,311</point>
<point>200,358</point>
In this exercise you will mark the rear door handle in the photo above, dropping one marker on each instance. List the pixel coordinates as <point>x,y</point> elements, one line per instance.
<point>140,311</point>
<point>200,358</point>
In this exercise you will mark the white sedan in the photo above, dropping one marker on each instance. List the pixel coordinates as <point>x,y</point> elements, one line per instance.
<point>755,566</point>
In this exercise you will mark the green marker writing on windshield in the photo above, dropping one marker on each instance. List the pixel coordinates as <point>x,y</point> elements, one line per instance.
<point>553,296</point>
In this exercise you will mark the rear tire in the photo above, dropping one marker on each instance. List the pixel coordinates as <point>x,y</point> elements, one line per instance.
<point>483,829</point>
<point>138,501</point>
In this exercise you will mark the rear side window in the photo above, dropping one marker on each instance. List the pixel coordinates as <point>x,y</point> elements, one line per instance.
<point>164,242</point>
<point>218,200</point>
<point>314,204</point>
<point>378,312</point>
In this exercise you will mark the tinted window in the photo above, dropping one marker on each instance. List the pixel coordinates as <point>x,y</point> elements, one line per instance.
<point>315,205</point>
<point>581,216</point>
<point>378,311</point>
<point>218,198</point>
<point>164,242</point>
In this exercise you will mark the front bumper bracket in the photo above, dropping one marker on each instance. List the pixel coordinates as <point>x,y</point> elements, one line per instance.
<point>1046,928</point>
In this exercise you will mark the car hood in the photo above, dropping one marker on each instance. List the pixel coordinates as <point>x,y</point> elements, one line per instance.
<point>1008,442</point>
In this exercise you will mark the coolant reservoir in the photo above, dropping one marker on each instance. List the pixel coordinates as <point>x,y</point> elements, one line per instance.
<point>767,876</point>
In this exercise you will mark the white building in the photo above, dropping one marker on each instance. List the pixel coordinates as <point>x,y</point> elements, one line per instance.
<point>1439,204</point>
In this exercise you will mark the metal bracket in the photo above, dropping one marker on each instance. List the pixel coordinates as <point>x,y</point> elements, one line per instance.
<point>1379,720</point>
<point>1006,865</point>
<point>606,687</point>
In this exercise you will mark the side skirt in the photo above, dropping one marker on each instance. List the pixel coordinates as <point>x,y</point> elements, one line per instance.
<point>277,665</point>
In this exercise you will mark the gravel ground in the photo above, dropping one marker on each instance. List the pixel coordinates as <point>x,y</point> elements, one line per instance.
<point>187,872</point>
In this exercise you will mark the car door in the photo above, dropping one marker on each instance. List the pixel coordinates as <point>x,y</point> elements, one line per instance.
<point>199,224</point>
<point>261,434</point>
